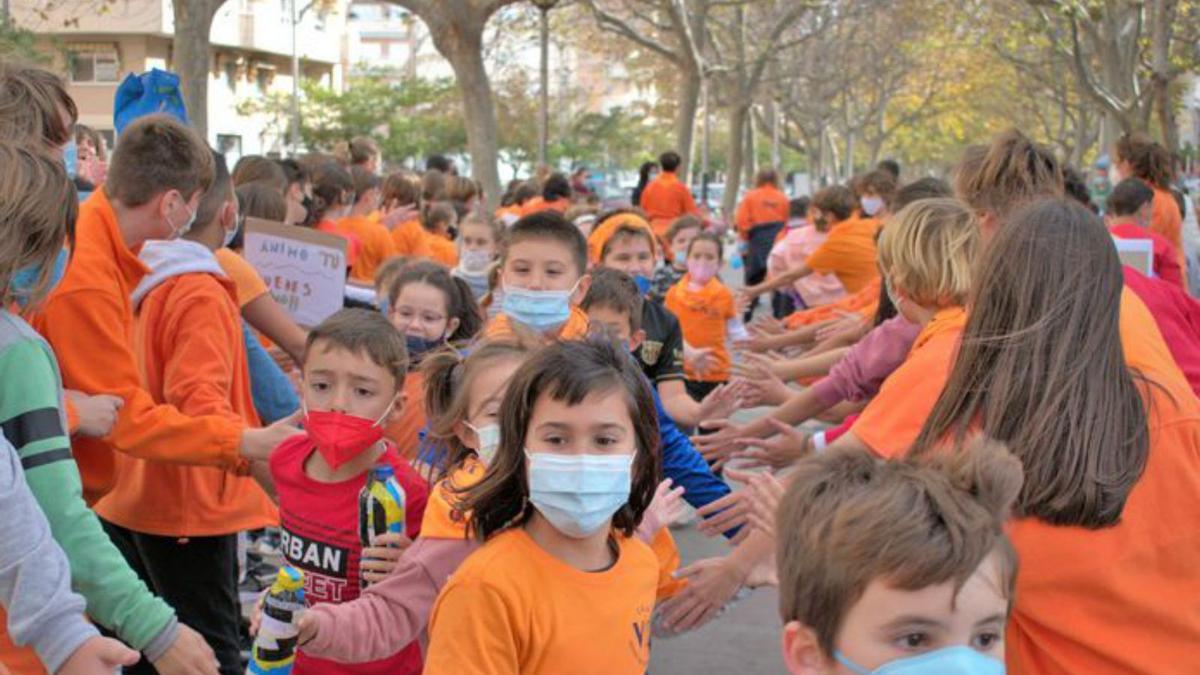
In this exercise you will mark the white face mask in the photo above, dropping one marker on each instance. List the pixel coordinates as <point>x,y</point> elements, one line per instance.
<point>179,232</point>
<point>871,205</point>
<point>230,235</point>
<point>488,438</point>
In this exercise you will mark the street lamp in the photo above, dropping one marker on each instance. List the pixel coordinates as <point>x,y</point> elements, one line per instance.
<point>544,113</point>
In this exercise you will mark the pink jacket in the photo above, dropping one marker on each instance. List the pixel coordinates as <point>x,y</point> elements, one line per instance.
<point>863,369</point>
<point>393,612</point>
<point>791,251</point>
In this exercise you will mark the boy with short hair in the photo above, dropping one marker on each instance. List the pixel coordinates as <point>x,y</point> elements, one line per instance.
<point>1127,214</point>
<point>897,565</point>
<point>177,525</point>
<point>377,244</point>
<point>354,367</point>
<point>543,277</point>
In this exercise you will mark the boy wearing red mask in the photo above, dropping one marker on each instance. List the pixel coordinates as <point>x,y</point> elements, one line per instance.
<point>708,315</point>
<point>354,365</point>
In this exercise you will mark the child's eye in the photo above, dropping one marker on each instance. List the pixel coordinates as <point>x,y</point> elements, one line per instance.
<point>365,393</point>
<point>606,441</point>
<point>913,640</point>
<point>318,386</point>
<point>986,640</point>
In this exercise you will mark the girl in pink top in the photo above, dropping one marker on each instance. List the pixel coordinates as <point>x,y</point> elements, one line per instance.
<point>798,242</point>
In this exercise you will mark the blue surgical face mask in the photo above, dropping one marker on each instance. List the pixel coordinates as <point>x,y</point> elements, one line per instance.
<point>681,258</point>
<point>25,279</point>
<point>70,154</point>
<point>871,205</point>
<point>578,494</point>
<point>958,660</point>
<point>419,346</point>
<point>643,283</point>
<point>540,310</point>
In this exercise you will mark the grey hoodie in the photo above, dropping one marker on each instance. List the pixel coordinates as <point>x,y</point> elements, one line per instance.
<point>167,259</point>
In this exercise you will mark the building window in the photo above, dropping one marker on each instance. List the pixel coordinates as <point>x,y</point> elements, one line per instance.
<point>230,71</point>
<point>93,67</point>
<point>263,78</point>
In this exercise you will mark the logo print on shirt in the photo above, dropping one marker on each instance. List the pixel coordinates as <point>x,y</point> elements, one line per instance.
<point>315,556</point>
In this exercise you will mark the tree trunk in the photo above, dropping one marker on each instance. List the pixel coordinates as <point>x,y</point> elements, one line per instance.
<point>751,153</point>
<point>191,54</point>
<point>738,112</point>
<point>461,43</point>
<point>685,118</point>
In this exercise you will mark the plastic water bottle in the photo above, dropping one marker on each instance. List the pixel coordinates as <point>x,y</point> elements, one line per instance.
<point>274,649</point>
<point>380,506</point>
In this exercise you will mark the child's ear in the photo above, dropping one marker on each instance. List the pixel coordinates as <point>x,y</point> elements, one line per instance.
<point>464,435</point>
<point>229,214</point>
<point>637,339</point>
<point>801,650</point>
<point>401,400</point>
<point>581,289</point>
<point>451,326</point>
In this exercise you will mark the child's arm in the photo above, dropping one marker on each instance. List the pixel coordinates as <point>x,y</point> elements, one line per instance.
<point>35,581</point>
<point>785,279</point>
<point>116,598</point>
<point>271,320</point>
<point>389,614</point>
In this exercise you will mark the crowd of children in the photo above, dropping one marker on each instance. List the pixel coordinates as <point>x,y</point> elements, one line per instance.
<point>980,447</point>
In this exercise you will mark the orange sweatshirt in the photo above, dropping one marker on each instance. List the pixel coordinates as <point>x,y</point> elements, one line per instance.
<point>443,250</point>
<point>664,200</point>
<point>190,351</point>
<point>88,321</point>
<point>761,206</point>
<point>865,302</point>
<point>411,240</point>
<point>376,246</point>
<point>540,204</point>
<point>1166,220</point>
<point>849,252</point>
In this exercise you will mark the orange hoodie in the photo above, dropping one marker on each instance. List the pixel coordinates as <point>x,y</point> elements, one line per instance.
<point>88,321</point>
<point>188,339</point>
<point>664,200</point>
<point>443,250</point>
<point>411,239</point>
<point>761,206</point>
<point>376,245</point>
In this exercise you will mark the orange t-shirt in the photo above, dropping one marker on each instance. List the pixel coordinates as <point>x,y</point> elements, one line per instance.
<point>353,245</point>
<point>703,315</point>
<point>411,240</point>
<point>664,199</point>
<point>249,283</point>
<point>514,608</point>
<point>536,204</point>
<point>443,250</point>
<point>865,302</point>
<point>761,206</point>
<point>403,429</point>
<point>508,214</point>
<point>375,245</point>
<point>576,326</point>
<point>893,419</point>
<point>1166,220</point>
<point>849,252</point>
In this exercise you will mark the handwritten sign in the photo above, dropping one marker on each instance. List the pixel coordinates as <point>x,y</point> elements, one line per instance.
<point>1136,253</point>
<point>304,269</point>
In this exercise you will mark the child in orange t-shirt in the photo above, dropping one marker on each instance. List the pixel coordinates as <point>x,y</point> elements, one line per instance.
<point>377,244</point>
<point>708,315</point>
<point>401,195</point>
<point>561,584</point>
<point>439,219</point>
<point>431,309</point>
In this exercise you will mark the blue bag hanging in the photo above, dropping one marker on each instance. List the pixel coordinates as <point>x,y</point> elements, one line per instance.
<point>151,92</point>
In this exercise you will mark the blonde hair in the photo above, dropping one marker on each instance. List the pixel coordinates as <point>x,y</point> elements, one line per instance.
<point>929,249</point>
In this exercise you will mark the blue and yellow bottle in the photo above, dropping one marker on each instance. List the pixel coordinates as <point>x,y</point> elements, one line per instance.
<point>274,649</point>
<point>380,506</point>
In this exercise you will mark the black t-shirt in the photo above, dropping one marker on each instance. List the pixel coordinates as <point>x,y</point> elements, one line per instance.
<point>661,353</point>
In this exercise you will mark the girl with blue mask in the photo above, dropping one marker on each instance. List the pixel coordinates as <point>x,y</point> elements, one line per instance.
<point>576,469</point>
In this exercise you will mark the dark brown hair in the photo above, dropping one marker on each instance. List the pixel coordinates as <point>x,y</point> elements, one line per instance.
<point>460,302</point>
<point>31,105</point>
<point>363,331</point>
<point>1008,174</point>
<point>615,290</point>
<point>38,207</point>
<point>878,182</point>
<point>448,377</point>
<point>1041,368</point>
<point>766,177</point>
<point>331,187</point>
<point>433,186</point>
<point>849,518</point>
<point>362,149</point>
<point>259,200</point>
<point>217,194</point>
<point>158,153</point>
<point>922,188</point>
<point>550,226</point>
<point>256,168</point>
<point>683,223</point>
<point>1128,197</point>
<point>709,237</point>
<point>836,200</point>
<point>400,189</point>
<point>388,271</point>
<point>1150,161</point>
<point>363,181</point>
<point>567,372</point>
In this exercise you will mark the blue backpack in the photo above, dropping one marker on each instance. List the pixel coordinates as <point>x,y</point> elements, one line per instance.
<point>151,92</point>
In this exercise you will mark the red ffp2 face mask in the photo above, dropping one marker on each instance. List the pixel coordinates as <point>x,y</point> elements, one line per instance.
<point>340,437</point>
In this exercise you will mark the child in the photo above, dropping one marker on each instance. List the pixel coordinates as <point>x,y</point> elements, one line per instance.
<point>479,242</point>
<point>430,309</point>
<point>571,418</point>
<point>178,525</point>
<point>1127,215</point>
<point>556,196</point>
<point>706,311</point>
<point>1136,156</point>
<point>353,378</point>
<point>39,204</point>
<point>897,566</point>
<point>401,196</point>
<point>298,192</point>
<point>377,244</point>
<point>678,237</point>
<point>463,402</point>
<point>440,217</point>
<point>848,252</point>
<point>542,280</point>
<point>800,241</point>
<point>385,277</point>
<point>333,197</point>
